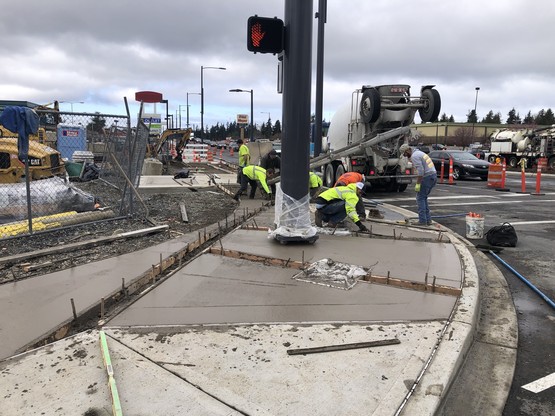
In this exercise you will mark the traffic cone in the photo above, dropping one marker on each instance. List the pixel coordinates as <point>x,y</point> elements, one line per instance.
<point>209,156</point>
<point>451,182</point>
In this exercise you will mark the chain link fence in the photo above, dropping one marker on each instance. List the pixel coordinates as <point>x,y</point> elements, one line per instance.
<point>69,151</point>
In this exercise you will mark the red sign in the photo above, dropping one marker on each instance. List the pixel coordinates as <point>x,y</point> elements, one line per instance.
<point>149,96</point>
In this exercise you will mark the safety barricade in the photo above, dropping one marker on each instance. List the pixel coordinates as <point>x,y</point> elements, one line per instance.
<point>496,177</point>
<point>542,164</point>
<point>195,153</point>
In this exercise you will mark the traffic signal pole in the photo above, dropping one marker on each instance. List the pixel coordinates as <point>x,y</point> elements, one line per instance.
<point>297,68</point>
<point>294,221</point>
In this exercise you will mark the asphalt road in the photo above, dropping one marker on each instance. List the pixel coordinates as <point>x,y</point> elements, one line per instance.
<point>534,220</point>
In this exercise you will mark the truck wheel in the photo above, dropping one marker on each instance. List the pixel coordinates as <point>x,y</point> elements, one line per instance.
<point>432,105</point>
<point>402,187</point>
<point>329,176</point>
<point>551,163</point>
<point>491,158</point>
<point>340,170</point>
<point>370,105</point>
<point>513,162</point>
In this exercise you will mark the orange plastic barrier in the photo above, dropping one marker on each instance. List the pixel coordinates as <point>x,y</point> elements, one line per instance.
<point>495,176</point>
<point>542,163</point>
<point>209,156</point>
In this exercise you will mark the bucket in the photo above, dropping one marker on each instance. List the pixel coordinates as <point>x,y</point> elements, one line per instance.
<point>474,227</point>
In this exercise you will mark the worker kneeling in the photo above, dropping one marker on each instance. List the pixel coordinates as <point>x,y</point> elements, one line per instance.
<point>252,175</point>
<point>333,205</point>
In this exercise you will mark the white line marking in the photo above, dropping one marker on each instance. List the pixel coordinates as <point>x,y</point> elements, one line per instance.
<point>490,202</point>
<point>541,384</point>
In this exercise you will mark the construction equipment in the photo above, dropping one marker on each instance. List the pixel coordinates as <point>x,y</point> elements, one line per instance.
<point>529,144</point>
<point>177,140</point>
<point>44,161</point>
<point>365,135</point>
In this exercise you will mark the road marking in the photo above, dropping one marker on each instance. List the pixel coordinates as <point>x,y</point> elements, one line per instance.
<point>541,384</point>
<point>412,198</point>
<point>491,202</point>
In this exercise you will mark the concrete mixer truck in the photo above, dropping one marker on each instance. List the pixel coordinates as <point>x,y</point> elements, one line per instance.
<point>529,144</point>
<point>365,134</point>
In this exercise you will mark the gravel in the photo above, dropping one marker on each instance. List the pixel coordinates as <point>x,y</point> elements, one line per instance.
<point>204,207</point>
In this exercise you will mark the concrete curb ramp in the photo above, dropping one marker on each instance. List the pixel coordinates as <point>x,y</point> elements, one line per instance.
<point>213,338</point>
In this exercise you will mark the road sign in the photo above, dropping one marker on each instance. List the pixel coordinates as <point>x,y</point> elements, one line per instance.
<point>242,119</point>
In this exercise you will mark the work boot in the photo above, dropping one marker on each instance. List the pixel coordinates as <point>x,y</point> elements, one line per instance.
<point>236,197</point>
<point>318,218</point>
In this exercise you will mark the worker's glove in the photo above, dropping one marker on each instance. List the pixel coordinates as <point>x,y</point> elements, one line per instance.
<point>417,187</point>
<point>361,227</point>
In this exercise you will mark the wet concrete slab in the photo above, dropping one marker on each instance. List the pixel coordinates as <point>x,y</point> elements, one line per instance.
<point>410,260</point>
<point>195,180</point>
<point>33,307</point>
<point>218,290</point>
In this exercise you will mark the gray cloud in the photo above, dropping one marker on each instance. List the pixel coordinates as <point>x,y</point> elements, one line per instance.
<point>100,51</point>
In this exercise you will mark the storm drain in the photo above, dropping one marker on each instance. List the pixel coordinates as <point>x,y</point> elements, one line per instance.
<point>330,273</point>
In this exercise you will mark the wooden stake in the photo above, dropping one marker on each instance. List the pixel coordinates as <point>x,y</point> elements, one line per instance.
<point>73,309</point>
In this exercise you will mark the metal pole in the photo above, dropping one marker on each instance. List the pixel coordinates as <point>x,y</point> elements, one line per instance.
<point>475,115</point>
<point>201,105</point>
<point>297,59</point>
<point>322,17</point>
<point>252,118</point>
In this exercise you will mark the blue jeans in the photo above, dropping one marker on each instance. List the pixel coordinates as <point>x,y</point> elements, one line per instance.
<point>428,182</point>
<point>334,212</point>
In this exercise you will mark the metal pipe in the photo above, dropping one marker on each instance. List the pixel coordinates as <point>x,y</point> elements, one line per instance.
<point>526,281</point>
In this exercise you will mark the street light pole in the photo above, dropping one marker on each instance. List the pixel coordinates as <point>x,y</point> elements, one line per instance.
<point>475,115</point>
<point>202,68</point>
<point>252,110</point>
<point>190,93</point>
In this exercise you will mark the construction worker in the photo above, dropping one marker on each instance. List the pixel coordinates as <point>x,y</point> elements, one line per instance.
<point>314,183</point>
<point>353,177</point>
<point>252,175</point>
<point>272,163</point>
<point>426,179</point>
<point>244,158</point>
<point>333,205</point>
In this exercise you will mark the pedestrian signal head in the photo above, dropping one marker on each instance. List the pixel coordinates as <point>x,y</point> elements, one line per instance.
<point>264,34</point>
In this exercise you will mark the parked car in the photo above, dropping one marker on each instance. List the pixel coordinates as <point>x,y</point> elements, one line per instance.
<point>277,147</point>
<point>465,164</point>
<point>438,146</point>
<point>479,153</point>
<point>424,148</point>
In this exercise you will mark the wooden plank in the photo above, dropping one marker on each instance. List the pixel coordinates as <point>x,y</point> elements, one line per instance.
<point>269,261</point>
<point>184,216</point>
<point>89,243</point>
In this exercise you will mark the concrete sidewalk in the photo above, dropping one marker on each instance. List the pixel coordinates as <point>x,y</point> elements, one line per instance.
<point>214,337</point>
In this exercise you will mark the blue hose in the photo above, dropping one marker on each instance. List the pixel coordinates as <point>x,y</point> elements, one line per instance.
<point>521,277</point>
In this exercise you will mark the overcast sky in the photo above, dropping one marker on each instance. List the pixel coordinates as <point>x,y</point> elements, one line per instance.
<point>101,51</point>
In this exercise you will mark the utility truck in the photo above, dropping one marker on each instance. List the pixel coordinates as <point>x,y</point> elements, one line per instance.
<point>529,144</point>
<point>365,135</point>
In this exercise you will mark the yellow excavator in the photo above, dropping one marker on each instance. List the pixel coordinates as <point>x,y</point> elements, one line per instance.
<point>177,138</point>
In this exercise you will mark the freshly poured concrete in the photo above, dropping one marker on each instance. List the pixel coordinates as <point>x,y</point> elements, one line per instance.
<point>215,335</point>
<point>218,290</point>
<point>33,307</point>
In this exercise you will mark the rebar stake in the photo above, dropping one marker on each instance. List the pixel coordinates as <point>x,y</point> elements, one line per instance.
<point>73,308</point>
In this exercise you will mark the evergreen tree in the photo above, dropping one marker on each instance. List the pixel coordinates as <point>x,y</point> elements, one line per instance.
<point>471,117</point>
<point>277,128</point>
<point>514,117</point>
<point>97,124</point>
<point>529,119</point>
<point>545,117</point>
<point>451,119</point>
<point>492,118</point>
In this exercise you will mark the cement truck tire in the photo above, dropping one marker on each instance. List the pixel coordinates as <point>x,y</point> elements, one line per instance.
<point>340,170</point>
<point>403,187</point>
<point>491,159</point>
<point>370,105</point>
<point>329,176</point>
<point>551,163</point>
<point>432,105</point>
<point>513,162</point>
